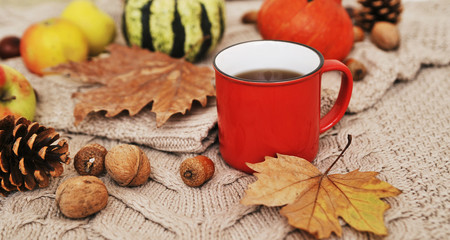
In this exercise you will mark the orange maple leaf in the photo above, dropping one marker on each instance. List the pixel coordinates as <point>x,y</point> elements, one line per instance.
<point>132,77</point>
<point>315,200</point>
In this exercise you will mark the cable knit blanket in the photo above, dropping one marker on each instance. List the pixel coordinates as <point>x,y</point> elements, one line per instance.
<point>399,117</point>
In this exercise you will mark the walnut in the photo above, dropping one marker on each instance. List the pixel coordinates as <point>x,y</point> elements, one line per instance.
<point>127,165</point>
<point>81,196</point>
<point>90,160</point>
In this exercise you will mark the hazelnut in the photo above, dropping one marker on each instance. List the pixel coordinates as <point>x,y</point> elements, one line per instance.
<point>127,165</point>
<point>385,35</point>
<point>358,34</point>
<point>358,69</point>
<point>9,47</point>
<point>90,160</point>
<point>196,171</point>
<point>81,196</point>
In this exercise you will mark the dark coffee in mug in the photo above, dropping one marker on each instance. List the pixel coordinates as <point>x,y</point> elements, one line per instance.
<point>268,75</point>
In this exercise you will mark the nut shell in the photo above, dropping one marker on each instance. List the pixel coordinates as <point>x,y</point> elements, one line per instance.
<point>9,47</point>
<point>359,71</point>
<point>197,170</point>
<point>90,160</point>
<point>250,17</point>
<point>81,196</point>
<point>358,34</point>
<point>385,35</point>
<point>127,165</point>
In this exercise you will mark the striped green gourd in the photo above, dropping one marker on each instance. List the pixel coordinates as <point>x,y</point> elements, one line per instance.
<point>180,28</point>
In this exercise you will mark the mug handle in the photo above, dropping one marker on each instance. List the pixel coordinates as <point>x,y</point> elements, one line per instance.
<point>345,92</point>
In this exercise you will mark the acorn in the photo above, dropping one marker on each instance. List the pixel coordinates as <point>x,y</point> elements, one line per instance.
<point>250,17</point>
<point>358,69</point>
<point>90,160</point>
<point>196,171</point>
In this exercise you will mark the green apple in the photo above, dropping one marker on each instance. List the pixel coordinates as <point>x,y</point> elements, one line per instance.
<point>16,94</point>
<point>98,27</point>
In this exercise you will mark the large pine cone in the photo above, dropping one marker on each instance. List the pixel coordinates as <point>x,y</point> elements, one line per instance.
<point>27,156</point>
<point>377,11</point>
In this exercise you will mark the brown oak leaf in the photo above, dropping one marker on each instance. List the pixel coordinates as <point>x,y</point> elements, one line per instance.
<point>131,78</point>
<point>314,201</point>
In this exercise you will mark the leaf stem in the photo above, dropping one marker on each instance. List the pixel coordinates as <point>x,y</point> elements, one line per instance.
<point>349,141</point>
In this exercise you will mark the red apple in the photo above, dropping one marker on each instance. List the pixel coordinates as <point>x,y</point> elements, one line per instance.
<point>16,94</point>
<point>52,42</point>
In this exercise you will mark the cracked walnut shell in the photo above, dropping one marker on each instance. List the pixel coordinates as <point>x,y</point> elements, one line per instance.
<point>127,165</point>
<point>90,160</point>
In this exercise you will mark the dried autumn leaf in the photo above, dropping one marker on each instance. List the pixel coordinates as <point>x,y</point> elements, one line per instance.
<point>315,200</point>
<point>131,78</point>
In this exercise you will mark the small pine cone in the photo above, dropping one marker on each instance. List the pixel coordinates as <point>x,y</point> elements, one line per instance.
<point>378,10</point>
<point>27,156</point>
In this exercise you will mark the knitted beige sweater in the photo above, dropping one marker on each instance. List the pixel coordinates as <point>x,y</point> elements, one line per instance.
<point>401,129</point>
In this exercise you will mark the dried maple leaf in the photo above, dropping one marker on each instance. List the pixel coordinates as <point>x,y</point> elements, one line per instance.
<point>315,200</point>
<point>131,78</point>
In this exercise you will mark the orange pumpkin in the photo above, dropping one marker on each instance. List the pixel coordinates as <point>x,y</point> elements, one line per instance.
<point>322,24</point>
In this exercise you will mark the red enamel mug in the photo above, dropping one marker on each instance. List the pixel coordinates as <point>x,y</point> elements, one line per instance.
<point>258,117</point>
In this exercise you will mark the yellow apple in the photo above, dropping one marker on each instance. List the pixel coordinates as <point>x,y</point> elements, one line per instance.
<point>98,27</point>
<point>52,42</point>
<point>16,94</point>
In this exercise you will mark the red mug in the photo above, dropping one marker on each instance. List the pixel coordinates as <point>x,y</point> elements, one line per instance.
<point>259,118</point>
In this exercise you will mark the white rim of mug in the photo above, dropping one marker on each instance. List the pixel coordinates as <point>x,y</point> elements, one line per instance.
<point>321,59</point>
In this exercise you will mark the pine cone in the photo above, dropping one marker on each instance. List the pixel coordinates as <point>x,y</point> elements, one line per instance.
<point>376,11</point>
<point>27,156</point>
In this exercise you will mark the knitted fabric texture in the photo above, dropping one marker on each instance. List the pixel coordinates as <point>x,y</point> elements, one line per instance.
<point>400,129</point>
<point>194,132</point>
